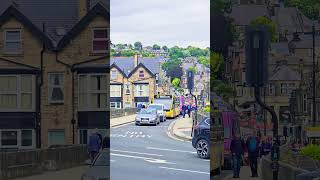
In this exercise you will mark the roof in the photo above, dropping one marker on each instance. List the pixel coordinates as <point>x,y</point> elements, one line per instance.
<point>251,12</point>
<point>284,73</point>
<point>126,64</point>
<point>59,16</point>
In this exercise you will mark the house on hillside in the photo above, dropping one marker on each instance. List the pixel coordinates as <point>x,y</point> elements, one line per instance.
<point>53,72</point>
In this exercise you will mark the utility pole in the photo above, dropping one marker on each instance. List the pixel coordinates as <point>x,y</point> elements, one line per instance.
<point>314,109</point>
<point>264,112</point>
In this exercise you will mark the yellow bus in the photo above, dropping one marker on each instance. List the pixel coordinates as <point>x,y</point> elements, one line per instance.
<point>171,104</point>
<point>217,142</point>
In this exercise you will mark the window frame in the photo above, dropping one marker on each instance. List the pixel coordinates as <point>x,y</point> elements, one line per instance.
<point>12,41</point>
<point>111,92</point>
<point>284,88</point>
<point>19,94</point>
<point>113,74</point>
<point>19,139</point>
<point>100,39</point>
<point>141,90</point>
<point>57,130</point>
<point>117,105</point>
<point>127,87</point>
<point>50,101</point>
<point>141,74</point>
<point>271,89</point>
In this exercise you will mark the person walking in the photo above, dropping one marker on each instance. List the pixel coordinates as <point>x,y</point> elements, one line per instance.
<point>105,143</point>
<point>94,145</point>
<point>237,147</point>
<point>189,110</point>
<point>183,111</point>
<point>253,153</point>
<point>285,132</point>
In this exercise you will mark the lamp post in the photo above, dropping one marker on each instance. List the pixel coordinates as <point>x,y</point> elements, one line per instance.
<point>314,76</point>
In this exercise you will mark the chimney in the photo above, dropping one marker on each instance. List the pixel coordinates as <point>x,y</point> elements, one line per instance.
<point>136,60</point>
<point>83,7</point>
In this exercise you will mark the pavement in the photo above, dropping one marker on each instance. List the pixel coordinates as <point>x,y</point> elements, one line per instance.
<point>245,174</point>
<point>119,121</point>
<point>181,128</point>
<point>146,152</point>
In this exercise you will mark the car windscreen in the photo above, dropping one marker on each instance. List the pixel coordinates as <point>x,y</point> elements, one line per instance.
<point>147,111</point>
<point>166,102</point>
<point>102,160</point>
<point>157,107</point>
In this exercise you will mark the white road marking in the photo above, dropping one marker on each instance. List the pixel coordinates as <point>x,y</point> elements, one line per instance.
<point>152,160</point>
<point>112,160</point>
<point>185,170</point>
<point>132,152</point>
<point>173,150</point>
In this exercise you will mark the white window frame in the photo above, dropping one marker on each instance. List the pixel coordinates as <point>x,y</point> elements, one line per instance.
<point>117,105</point>
<point>141,90</point>
<point>62,130</point>
<point>19,92</point>
<point>88,106</point>
<point>141,73</point>
<point>100,39</point>
<point>56,86</point>
<point>14,41</point>
<point>19,138</point>
<point>271,89</point>
<point>283,88</point>
<point>113,74</point>
<point>111,92</point>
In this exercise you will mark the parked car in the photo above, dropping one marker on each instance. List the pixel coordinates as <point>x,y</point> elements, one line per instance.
<point>160,111</point>
<point>147,116</point>
<point>201,138</point>
<point>98,169</point>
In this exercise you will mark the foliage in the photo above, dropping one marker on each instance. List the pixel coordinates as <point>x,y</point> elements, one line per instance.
<point>261,20</point>
<point>165,48</point>
<point>220,6</point>
<point>207,109</point>
<point>221,88</point>
<point>309,8</point>
<point>312,151</point>
<point>173,68</point>
<point>128,53</point>
<point>193,69</point>
<point>216,65</point>
<point>138,46</point>
<point>156,47</point>
<point>176,82</point>
<point>204,60</point>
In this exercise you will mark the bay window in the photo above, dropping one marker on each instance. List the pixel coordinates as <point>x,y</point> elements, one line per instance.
<point>141,90</point>
<point>115,90</point>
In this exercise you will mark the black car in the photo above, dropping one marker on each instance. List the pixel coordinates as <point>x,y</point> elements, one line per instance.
<point>201,138</point>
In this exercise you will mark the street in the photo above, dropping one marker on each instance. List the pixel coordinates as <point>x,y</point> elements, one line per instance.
<point>146,152</point>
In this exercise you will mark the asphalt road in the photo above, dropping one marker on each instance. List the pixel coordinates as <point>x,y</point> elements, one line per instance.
<point>147,152</point>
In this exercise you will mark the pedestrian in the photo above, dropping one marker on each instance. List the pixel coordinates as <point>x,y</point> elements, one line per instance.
<point>183,111</point>
<point>237,147</point>
<point>285,132</point>
<point>253,153</point>
<point>189,110</point>
<point>139,107</point>
<point>94,145</point>
<point>259,133</point>
<point>143,106</point>
<point>106,142</point>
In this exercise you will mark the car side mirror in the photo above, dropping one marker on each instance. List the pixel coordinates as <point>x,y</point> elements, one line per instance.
<point>88,162</point>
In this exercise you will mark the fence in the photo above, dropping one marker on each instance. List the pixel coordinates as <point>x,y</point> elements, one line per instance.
<point>122,112</point>
<point>30,162</point>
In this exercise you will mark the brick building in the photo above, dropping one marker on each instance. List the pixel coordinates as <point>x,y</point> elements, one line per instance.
<point>53,72</point>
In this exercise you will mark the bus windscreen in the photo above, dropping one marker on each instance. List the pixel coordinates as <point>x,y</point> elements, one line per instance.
<point>166,102</point>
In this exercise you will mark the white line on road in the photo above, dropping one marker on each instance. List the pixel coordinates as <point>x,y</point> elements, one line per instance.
<point>132,152</point>
<point>173,150</point>
<point>185,170</point>
<point>152,160</point>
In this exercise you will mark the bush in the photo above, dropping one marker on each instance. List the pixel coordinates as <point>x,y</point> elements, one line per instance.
<point>312,151</point>
<point>206,109</point>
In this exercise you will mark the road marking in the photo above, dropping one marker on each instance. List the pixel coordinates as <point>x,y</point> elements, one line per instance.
<point>151,160</point>
<point>173,150</point>
<point>132,152</point>
<point>185,170</point>
<point>112,160</point>
<point>119,126</point>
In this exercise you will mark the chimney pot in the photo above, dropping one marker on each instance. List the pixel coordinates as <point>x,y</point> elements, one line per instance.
<point>136,60</point>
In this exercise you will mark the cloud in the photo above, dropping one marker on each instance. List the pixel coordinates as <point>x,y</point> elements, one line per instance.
<point>165,22</point>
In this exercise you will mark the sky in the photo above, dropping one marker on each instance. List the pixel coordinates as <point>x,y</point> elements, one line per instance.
<point>162,22</point>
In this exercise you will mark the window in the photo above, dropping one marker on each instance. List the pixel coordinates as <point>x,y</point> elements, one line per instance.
<point>141,74</point>
<point>17,138</point>
<point>114,74</point>
<point>284,89</point>
<point>16,92</point>
<point>304,105</point>
<point>9,138</point>
<point>127,105</point>
<point>115,105</point>
<point>26,138</point>
<point>291,88</point>
<point>271,89</point>
<point>141,90</point>
<point>83,136</point>
<point>56,88</point>
<point>127,88</point>
<point>115,90</point>
<point>13,41</point>
<point>92,91</point>
<point>56,137</point>
<point>239,91</point>
<point>100,41</point>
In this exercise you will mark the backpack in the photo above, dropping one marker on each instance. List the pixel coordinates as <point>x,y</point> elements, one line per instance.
<point>253,144</point>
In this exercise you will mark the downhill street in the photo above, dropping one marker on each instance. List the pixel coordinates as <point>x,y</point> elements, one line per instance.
<point>146,152</point>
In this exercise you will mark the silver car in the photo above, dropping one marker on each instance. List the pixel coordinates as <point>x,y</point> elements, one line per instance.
<point>147,116</point>
<point>99,168</point>
<point>160,111</point>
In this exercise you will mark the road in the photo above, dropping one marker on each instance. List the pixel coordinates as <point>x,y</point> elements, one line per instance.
<point>147,152</point>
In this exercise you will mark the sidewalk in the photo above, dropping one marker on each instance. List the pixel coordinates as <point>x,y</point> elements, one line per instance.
<point>122,120</point>
<point>181,128</point>
<point>245,174</point>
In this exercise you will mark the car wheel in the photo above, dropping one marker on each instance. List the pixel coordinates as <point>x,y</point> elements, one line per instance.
<point>137,124</point>
<point>203,149</point>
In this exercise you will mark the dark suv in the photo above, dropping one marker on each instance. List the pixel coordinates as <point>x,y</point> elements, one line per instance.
<point>201,138</point>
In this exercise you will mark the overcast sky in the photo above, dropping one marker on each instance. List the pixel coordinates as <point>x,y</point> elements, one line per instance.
<point>165,22</point>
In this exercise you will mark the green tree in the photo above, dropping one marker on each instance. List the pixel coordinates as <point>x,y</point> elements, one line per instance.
<point>261,20</point>
<point>204,60</point>
<point>220,6</point>
<point>156,47</point>
<point>173,68</point>
<point>193,69</point>
<point>216,65</point>
<point>127,53</point>
<point>309,8</point>
<point>176,82</point>
<point>137,46</point>
<point>165,48</point>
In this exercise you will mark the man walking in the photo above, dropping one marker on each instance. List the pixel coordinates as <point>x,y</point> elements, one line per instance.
<point>183,111</point>
<point>94,145</point>
<point>253,153</point>
<point>237,147</point>
<point>189,110</point>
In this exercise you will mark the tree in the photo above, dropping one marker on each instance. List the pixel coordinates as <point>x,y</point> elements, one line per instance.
<point>204,60</point>
<point>156,47</point>
<point>309,8</point>
<point>165,48</point>
<point>173,68</point>
<point>176,82</point>
<point>216,65</point>
<point>193,69</point>
<point>138,46</point>
<point>261,20</point>
<point>128,53</point>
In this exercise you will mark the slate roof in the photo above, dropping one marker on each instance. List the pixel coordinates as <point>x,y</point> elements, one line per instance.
<point>126,64</point>
<point>56,14</point>
<point>284,73</point>
<point>244,14</point>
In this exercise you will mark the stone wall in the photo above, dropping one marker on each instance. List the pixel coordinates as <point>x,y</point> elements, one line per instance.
<point>121,112</point>
<point>30,162</point>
